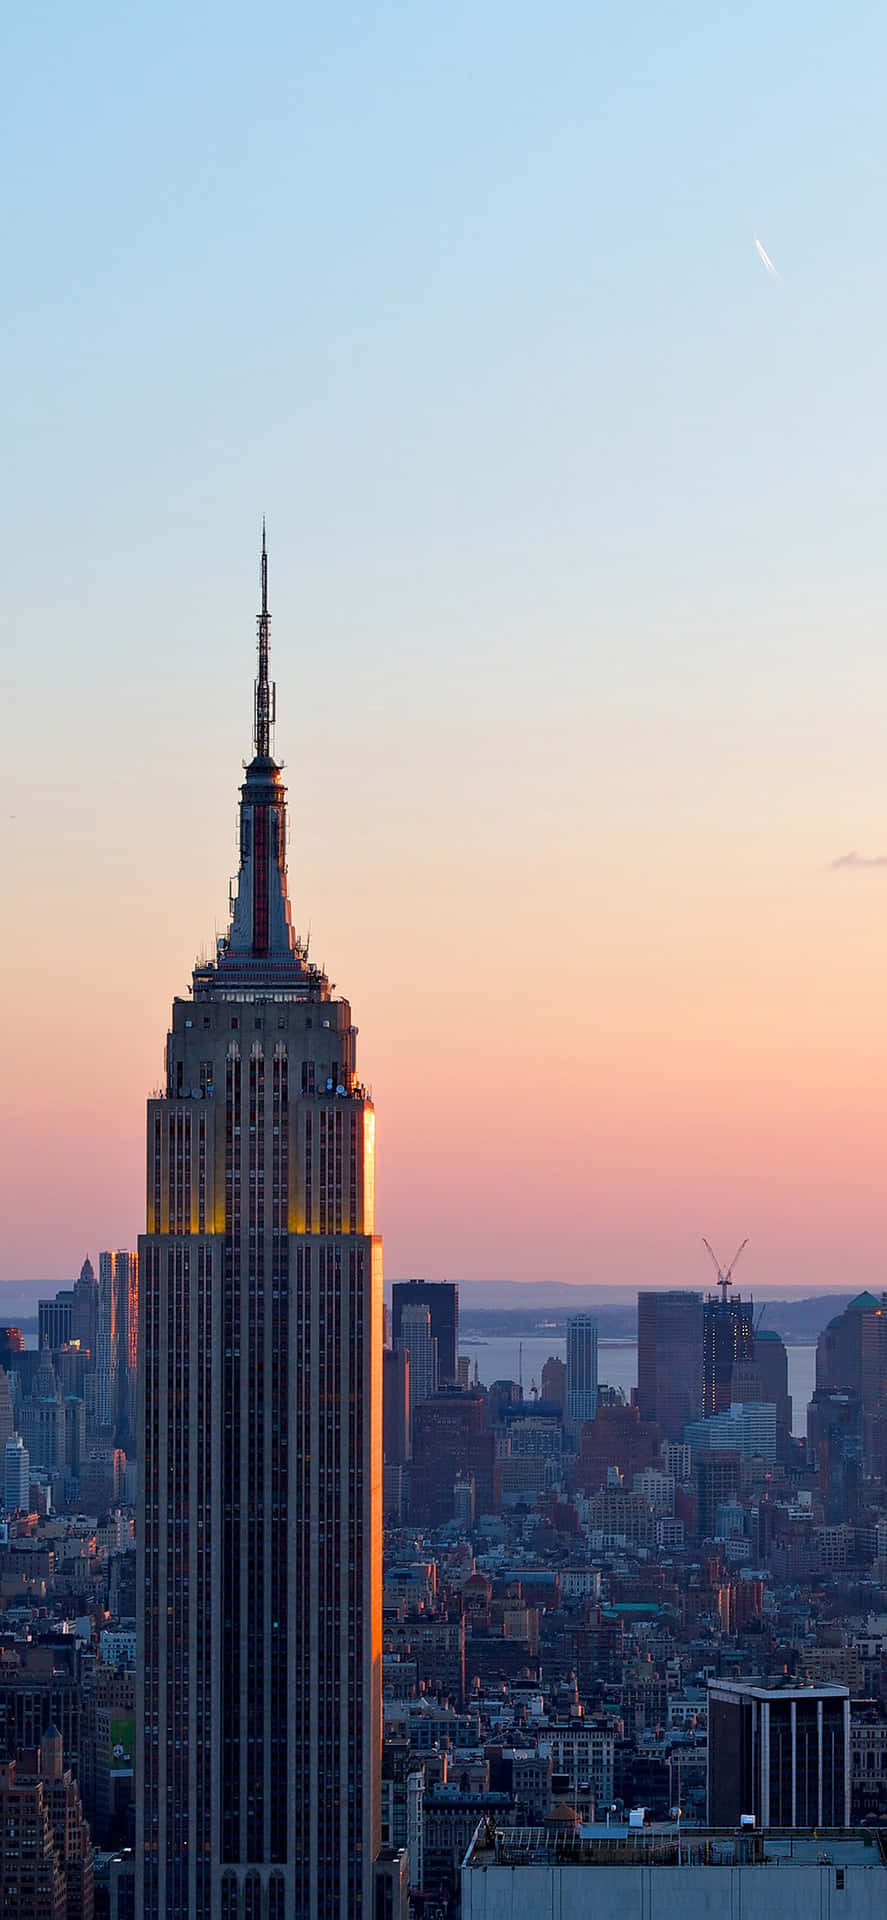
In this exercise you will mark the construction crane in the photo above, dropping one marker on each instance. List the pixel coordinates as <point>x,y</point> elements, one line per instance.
<point>725,1274</point>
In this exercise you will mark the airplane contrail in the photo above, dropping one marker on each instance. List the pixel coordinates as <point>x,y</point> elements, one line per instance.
<point>764,255</point>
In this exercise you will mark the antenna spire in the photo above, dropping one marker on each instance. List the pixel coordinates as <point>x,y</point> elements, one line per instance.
<point>266,693</point>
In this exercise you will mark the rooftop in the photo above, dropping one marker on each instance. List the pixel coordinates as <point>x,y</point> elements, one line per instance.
<point>661,1845</point>
<point>824,1690</point>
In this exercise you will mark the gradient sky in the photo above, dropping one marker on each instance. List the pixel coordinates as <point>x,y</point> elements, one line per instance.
<point>578,581</point>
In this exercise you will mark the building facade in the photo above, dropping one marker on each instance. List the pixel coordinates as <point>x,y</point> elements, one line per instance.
<point>581,1369</point>
<point>728,1336</point>
<point>660,1873</point>
<point>117,1343</point>
<point>779,1754</point>
<point>441,1297</point>
<point>416,1341</point>
<point>259,1523</point>
<point>16,1475</point>
<point>670,1359</point>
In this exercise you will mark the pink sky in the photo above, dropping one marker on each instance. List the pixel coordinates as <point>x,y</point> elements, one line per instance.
<point>591,1037</point>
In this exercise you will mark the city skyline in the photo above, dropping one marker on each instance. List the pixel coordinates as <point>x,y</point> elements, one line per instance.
<point>577,532</point>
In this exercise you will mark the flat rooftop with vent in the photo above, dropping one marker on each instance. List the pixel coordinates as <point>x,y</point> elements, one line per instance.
<point>658,1872</point>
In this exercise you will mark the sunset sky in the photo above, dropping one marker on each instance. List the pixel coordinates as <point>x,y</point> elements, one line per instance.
<point>578,567</point>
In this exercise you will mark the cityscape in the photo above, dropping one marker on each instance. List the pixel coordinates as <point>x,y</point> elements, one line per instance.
<point>304,1621</point>
<point>443,1293</point>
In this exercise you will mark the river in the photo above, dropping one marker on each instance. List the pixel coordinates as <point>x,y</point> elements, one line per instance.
<point>499,1359</point>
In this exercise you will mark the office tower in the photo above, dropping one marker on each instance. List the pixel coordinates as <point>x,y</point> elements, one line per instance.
<point>670,1359</point>
<point>117,1342</point>
<point>771,1361</point>
<point>42,1419</point>
<point>451,1442</point>
<point>581,1369</point>
<point>416,1338</point>
<point>780,1754</point>
<point>259,1518</point>
<point>16,1475</point>
<point>616,1438</point>
<point>766,1378</point>
<point>12,1342</point>
<point>554,1381</point>
<point>851,1352</point>
<point>748,1428</point>
<point>84,1313</point>
<point>835,1432</point>
<point>441,1297</point>
<point>7,1415</point>
<point>46,1864</point>
<point>54,1319</point>
<point>395,1407</point>
<point>717,1477</point>
<point>728,1335</point>
<point>32,1878</point>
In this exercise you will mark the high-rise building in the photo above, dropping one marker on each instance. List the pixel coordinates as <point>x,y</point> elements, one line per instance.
<point>416,1338</point>
<point>441,1297</point>
<point>259,1519</point>
<point>728,1335</point>
<point>748,1428</point>
<point>395,1406</point>
<point>117,1325</point>
<point>835,1430</point>
<point>717,1477</point>
<point>54,1320</point>
<point>581,1369</point>
<point>670,1359</point>
<point>32,1878</point>
<point>779,1754</point>
<point>452,1442</point>
<point>851,1352</point>
<point>16,1475</point>
<point>765,1377</point>
<point>7,1414</point>
<point>46,1865</point>
<point>84,1314</point>
<point>771,1361</point>
<point>554,1380</point>
<point>617,1437</point>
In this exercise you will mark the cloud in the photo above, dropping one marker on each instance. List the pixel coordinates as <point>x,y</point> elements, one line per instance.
<point>859,860</point>
<point>764,256</point>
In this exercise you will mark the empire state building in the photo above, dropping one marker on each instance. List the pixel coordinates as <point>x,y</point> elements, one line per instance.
<point>259,1521</point>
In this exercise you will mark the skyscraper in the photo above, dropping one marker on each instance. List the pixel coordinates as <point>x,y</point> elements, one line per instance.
<point>117,1342</point>
<point>581,1369</point>
<point>728,1335</point>
<point>16,1475</point>
<point>259,1525</point>
<point>416,1339</point>
<point>441,1297</point>
<point>670,1359</point>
